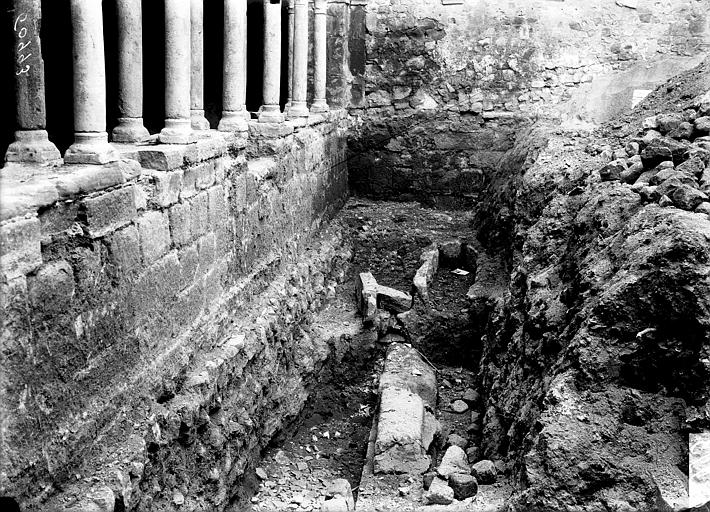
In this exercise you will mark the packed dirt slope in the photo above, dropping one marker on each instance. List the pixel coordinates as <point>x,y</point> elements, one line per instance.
<point>596,364</point>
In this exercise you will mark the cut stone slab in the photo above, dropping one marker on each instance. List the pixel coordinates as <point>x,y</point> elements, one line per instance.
<point>398,447</point>
<point>405,369</point>
<point>393,300</point>
<point>484,471</point>
<point>427,270</point>
<point>439,493</point>
<point>366,289</point>
<point>454,461</point>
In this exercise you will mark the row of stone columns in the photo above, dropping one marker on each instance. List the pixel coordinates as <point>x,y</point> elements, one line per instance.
<point>184,70</point>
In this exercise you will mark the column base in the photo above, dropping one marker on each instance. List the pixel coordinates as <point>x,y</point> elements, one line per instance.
<point>177,131</point>
<point>320,106</point>
<point>33,146</point>
<point>129,129</point>
<point>271,114</point>
<point>298,109</point>
<point>91,148</point>
<point>234,121</point>
<point>198,121</point>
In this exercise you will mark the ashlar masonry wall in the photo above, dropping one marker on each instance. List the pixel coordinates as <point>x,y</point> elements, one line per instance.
<point>149,306</point>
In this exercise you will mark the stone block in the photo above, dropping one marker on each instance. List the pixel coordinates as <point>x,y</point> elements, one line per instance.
<point>162,158</point>
<point>366,289</point>
<point>393,300</point>
<point>464,486</point>
<point>398,445</point>
<point>154,232</point>
<point>158,283</point>
<point>217,207</point>
<point>439,493</point>
<point>20,247</point>
<point>20,198</point>
<point>199,214</point>
<point>180,216</point>
<point>125,248</point>
<point>167,186</point>
<point>52,288</point>
<point>189,261</point>
<point>108,212</point>
<point>75,180</point>
<point>206,251</point>
<point>484,471</point>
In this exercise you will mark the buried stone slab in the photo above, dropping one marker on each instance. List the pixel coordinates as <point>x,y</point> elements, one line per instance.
<point>405,369</point>
<point>399,445</point>
<point>371,296</point>
<point>393,300</point>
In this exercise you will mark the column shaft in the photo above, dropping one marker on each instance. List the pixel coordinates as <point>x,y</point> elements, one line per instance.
<point>197,83</point>
<point>31,141</point>
<point>178,129</point>
<point>299,106</point>
<point>291,27</point>
<point>234,93</point>
<point>130,73</point>
<point>90,138</point>
<point>271,110</point>
<point>320,61</point>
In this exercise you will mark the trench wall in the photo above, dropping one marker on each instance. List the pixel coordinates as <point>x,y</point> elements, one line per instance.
<point>442,86</point>
<point>150,305</point>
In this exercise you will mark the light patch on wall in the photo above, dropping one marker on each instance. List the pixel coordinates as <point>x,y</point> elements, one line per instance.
<point>699,474</point>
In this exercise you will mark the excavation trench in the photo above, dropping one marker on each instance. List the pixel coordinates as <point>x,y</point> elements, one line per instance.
<point>331,438</point>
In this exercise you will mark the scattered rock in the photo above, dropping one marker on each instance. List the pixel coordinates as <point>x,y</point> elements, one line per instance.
<point>684,131</point>
<point>340,488</point>
<point>484,471</point>
<point>687,197</point>
<point>702,124</point>
<point>459,406</point>
<point>632,174</point>
<point>464,486</point>
<point>472,453</point>
<point>632,148</point>
<point>456,440</point>
<point>612,171</point>
<point>664,148</point>
<point>668,122</point>
<point>454,461</point>
<point>261,473</point>
<point>665,201</point>
<point>703,208</point>
<point>650,123</point>
<point>471,396</point>
<point>439,493</point>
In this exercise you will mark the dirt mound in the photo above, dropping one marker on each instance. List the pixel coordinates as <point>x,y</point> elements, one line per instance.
<point>596,366</point>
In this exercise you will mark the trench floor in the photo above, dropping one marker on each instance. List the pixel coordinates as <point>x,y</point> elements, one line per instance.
<point>329,440</point>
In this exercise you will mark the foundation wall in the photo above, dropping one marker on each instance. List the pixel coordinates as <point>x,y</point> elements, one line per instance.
<point>148,307</point>
<point>442,86</point>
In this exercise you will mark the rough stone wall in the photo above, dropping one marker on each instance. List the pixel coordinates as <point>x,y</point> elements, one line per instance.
<point>442,86</point>
<point>143,305</point>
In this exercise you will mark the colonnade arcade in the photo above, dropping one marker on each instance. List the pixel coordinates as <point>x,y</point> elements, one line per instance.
<point>184,75</point>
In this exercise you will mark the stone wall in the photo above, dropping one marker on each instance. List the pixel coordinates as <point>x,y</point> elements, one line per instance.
<point>442,86</point>
<point>147,305</point>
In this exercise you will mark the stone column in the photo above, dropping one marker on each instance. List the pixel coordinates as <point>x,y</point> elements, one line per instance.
<point>130,73</point>
<point>234,94</point>
<point>31,140</point>
<point>320,61</point>
<point>299,106</point>
<point>197,84</point>
<point>178,127</point>
<point>90,138</point>
<point>270,110</point>
<point>291,23</point>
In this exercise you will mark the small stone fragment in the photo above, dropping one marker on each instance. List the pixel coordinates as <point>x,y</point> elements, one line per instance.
<point>687,197</point>
<point>612,171</point>
<point>459,406</point>
<point>665,201</point>
<point>702,124</point>
<point>464,486</point>
<point>484,471</point>
<point>454,461</point>
<point>439,493</point>
<point>427,479</point>
<point>472,453</point>
<point>261,473</point>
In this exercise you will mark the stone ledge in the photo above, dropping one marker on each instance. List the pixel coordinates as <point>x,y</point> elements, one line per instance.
<point>24,190</point>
